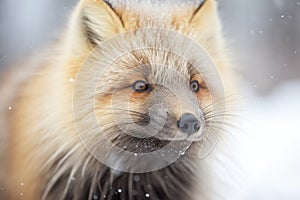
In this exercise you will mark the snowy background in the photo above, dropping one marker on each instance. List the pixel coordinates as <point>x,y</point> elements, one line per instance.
<point>265,37</point>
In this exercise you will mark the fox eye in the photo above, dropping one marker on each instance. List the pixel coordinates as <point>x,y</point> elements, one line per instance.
<point>141,86</point>
<point>195,86</point>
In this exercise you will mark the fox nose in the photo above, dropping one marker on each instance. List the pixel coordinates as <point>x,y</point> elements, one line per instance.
<point>188,124</point>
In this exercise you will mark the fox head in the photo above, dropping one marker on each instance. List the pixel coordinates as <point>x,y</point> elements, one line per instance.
<point>141,75</point>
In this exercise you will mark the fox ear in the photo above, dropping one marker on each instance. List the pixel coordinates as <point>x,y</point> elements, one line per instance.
<point>93,22</point>
<point>205,23</point>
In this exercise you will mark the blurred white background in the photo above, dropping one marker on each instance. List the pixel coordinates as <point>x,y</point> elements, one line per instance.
<point>265,38</point>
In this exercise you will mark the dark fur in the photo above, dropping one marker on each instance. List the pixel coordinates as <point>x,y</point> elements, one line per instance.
<point>166,183</point>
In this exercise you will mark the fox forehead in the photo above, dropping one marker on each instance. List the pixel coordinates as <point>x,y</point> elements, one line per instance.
<point>146,47</point>
<point>152,68</point>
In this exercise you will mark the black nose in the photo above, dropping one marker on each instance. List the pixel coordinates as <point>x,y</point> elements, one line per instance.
<point>188,124</point>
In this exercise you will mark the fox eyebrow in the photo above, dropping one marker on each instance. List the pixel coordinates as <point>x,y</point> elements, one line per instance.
<point>191,69</point>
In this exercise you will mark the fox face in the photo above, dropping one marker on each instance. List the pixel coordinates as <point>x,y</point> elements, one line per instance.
<point>151,104</point>
<point>154,96</point>
<point>148,84</point>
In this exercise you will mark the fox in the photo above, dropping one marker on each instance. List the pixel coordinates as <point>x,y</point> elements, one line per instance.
<point>121,107</point>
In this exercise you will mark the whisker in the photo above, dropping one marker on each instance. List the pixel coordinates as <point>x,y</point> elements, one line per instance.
<point>121,109</point>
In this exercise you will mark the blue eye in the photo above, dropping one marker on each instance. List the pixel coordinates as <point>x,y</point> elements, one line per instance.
<point>195,86</point>
<point>141,86</point>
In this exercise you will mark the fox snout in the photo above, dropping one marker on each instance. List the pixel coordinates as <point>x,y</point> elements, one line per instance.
<point>188,124</point>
